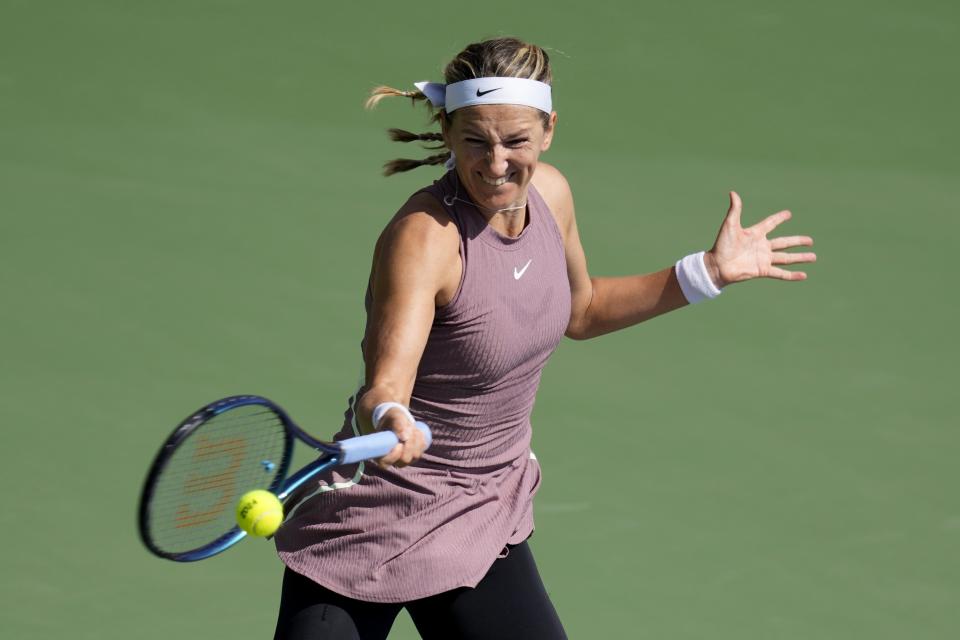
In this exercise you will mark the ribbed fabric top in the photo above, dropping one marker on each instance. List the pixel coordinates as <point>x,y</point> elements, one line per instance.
<point>401,534</point>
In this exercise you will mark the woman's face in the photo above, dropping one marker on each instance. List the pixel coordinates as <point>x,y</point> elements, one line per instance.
<point>497,148</point>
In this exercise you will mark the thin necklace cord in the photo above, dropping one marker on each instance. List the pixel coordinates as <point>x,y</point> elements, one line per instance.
<point>449,200</point>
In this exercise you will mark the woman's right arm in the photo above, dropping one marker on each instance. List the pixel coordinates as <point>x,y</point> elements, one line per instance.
<point>416,268</point>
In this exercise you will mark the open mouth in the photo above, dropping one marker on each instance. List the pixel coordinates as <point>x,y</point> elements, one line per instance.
<point>495,182</point>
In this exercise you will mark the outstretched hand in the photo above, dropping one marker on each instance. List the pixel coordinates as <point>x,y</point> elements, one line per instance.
<point>740,254</point>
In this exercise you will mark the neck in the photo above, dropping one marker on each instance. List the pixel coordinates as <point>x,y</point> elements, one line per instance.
<point>509,221</point>
<point>509,212</point>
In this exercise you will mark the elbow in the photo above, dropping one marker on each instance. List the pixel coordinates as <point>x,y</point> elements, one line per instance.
<point>579,331</point>
<point>580,326</point>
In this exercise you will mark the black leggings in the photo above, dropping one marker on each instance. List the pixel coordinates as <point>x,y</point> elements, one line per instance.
<point>510,602</point>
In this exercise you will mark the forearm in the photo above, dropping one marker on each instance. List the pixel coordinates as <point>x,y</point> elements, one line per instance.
<point>621,302</point>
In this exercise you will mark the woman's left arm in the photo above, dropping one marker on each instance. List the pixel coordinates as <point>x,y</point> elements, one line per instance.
<point>602,305</point>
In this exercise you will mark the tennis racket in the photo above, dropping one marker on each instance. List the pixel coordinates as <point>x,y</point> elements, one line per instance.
<point>231,446</point>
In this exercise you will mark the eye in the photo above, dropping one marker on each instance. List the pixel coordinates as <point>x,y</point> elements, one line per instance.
<point>475,141</point>
<point>517,142</point>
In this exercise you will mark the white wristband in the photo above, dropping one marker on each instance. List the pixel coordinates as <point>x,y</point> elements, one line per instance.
<point>383,407</point>
<point>695,281</point>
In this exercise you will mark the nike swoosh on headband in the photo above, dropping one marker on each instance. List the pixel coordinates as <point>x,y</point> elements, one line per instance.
<point>519,91</point>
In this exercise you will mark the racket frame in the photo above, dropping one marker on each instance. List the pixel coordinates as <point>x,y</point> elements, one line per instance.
<point>282,486</point>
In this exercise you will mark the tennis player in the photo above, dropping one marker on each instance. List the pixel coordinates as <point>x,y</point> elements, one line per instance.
<point>474,282</point>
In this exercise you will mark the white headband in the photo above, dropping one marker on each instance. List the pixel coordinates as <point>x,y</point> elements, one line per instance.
<point>530,93</point>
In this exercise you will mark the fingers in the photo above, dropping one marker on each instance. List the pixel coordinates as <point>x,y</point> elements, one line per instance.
<point>735,210</point>
<point>770,223</point>
<point>391,458</point>
<point>783,274</point>
<point>792,258</point>
<point>412,441</point>
<point>788,242</point>
<point>782,257</point>
<point>403,453</point>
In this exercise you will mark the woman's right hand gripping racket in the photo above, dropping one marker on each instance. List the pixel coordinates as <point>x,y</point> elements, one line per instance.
<point>222,451</point>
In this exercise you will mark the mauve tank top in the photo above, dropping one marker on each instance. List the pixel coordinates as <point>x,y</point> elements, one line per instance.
<point>397,535</point>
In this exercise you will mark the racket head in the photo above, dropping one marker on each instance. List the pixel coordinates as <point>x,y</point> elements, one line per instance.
<point>218,453</point>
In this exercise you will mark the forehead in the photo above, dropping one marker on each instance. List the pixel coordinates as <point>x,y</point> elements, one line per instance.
<point>496,118</point>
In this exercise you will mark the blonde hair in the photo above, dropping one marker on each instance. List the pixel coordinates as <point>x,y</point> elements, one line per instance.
<point>496,58</point>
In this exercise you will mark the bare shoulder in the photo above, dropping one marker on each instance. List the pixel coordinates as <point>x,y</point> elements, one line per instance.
<point>421,221</point>
<point>555,190</point>
<point>421,245</point>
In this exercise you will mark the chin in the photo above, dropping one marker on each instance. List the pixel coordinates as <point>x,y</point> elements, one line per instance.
<point>499,202</point>
<point>503,196</point>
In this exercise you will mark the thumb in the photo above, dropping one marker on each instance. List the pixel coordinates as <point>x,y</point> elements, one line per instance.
<point>733,214</point>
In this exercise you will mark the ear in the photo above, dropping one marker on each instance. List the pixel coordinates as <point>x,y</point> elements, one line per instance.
<point>548,132</point>
<point>445,128</point>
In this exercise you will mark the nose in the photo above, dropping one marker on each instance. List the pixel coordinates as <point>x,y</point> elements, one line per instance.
<point>497,160</point>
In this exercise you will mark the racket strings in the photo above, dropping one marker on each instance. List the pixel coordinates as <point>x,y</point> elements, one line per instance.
<point>231,453</point>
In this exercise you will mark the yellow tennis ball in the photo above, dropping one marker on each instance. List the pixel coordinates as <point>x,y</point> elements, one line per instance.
<point>259,513</point>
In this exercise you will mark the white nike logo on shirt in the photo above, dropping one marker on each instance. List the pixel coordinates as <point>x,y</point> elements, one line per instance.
<point>519,274</point>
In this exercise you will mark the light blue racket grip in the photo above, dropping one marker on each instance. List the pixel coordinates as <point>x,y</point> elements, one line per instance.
<point>374,445</point>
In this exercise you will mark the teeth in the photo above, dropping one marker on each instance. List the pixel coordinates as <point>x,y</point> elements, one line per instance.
<point>494,183</point>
